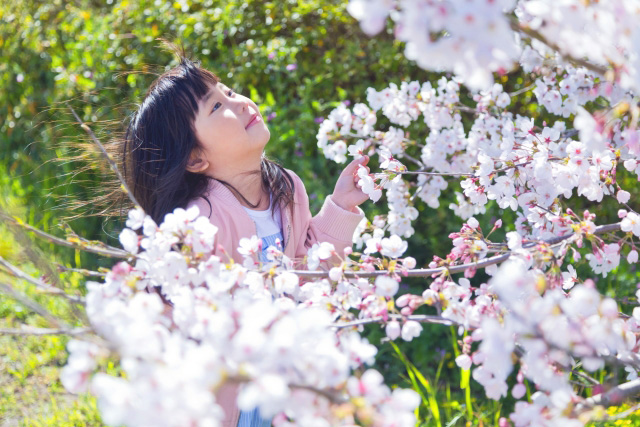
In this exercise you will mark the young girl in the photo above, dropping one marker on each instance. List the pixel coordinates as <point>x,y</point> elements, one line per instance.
<point>194,141</point>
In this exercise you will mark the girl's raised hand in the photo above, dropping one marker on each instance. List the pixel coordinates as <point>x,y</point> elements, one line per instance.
<point>347,194</point>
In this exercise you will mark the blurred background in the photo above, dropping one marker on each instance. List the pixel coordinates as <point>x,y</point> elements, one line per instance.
<point>296,59</point>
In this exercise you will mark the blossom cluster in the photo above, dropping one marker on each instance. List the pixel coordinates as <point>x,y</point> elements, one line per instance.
<point>552,331</point>
<point>527,165</point>
<point>476,38</point>
<point>186,326</point>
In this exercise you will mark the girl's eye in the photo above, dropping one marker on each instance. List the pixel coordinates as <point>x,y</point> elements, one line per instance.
<point>218,104</point>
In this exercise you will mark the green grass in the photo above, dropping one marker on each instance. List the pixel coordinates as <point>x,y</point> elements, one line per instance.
<point>30,390</point>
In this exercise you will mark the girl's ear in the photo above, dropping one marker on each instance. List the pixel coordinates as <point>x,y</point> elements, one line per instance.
<point>197,162</point>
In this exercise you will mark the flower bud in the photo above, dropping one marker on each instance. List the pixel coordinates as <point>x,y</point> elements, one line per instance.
<point>623,196</point>
<point>335,274</point>
<point>464,361</point>
<point>403,300</point>
<point>393,329</point>
<point>518,390</point>
<point>409,262</point>
<point>473,223</point>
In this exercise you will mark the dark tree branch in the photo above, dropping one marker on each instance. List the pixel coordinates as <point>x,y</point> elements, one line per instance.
<point>613,397</point>
<point>426,272</point>
<point>82,244</point>
<point>44,331</point>
<point>31,304</point>
<point>422,318</point>
<point>41,285</point>
<point>519,27</point>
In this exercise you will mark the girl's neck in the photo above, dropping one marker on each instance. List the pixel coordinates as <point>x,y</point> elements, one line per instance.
<point>249,185</point>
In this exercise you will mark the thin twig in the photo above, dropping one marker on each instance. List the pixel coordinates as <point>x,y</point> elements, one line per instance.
<point>412,159</point>
<point>30,252</point>
<point>40,284</point>
<point>422,318</point>
<point>432,173</point>
<point>44,264</point>
<point>614,396</point>
<point>25,330</point>
<point>586,377</point>
<point>85,245</point>
<point>426,272</point>
<point>523,90</point>
<point>31,304</point>
<point>568,133</point>
<point>332,396</point>
<point>106,155</point>
<point>525,29</point>
<point>506,168</point>
<point>466,109</point>
<point>83,271</point>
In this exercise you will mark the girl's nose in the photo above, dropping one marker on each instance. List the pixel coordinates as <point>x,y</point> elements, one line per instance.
<point>243,104</point>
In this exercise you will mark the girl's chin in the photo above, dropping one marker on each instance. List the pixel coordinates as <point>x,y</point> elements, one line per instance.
<point>266,139</point>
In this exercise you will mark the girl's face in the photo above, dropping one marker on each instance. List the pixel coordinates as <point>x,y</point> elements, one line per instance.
<point>230,130</point>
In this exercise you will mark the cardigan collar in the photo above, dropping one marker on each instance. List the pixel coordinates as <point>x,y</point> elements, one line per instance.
<point>221,193</point>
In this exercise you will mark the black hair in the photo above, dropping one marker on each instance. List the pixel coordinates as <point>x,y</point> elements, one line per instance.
<point>160,138</point>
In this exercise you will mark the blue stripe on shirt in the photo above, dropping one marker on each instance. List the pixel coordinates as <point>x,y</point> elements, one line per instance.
<point>252,419</point>
<point>269,241</point>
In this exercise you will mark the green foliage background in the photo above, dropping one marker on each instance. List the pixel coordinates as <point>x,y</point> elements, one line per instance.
<point>99,57</point>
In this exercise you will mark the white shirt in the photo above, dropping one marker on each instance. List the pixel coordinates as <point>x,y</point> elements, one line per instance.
<point>268,229</point>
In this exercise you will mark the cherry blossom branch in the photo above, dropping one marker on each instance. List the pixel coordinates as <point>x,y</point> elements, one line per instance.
<point>29,303</point>
<point>83,244</point>
<point>106,155</point>
<point>525,29</point>
<point>504,169</point>
<point>419,172</point>
<point>83,271</point>
<point>44,331</point>
<point>425,272</point>
<point>422,318</point>
<point>612,397</point>
<point>585,377</point>
<point>466,109</point>
<point>523,90</point>
<point>40,284</point>
<point>420,272</point>
<point>332,397</point>
<point>412,159</point>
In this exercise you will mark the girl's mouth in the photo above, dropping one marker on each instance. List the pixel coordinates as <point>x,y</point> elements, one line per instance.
<point>255,119</point>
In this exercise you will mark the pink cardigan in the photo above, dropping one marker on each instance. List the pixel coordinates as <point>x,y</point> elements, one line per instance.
<point>300,231</point>
<point>332,224</point>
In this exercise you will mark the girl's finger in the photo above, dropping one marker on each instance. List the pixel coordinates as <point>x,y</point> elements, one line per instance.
<point>352,168</point>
